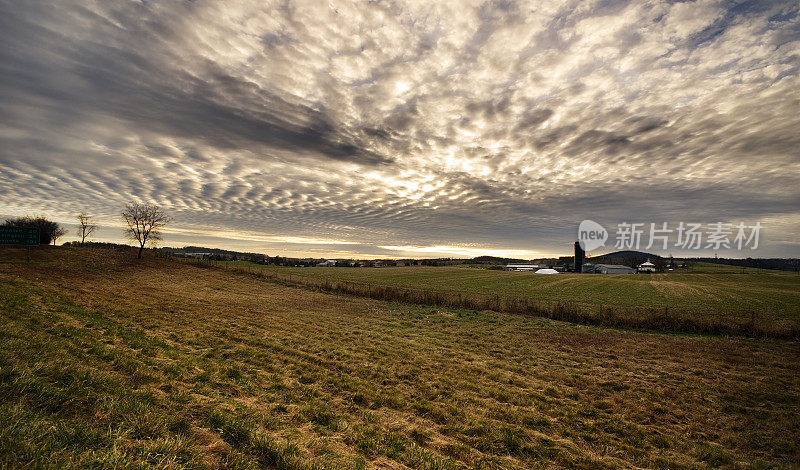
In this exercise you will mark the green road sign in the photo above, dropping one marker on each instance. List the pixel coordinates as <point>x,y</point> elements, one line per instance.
<point>19,236</point>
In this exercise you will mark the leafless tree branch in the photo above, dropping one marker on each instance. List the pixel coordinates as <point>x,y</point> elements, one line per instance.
<point>86,227</point>
<point>145,221</point>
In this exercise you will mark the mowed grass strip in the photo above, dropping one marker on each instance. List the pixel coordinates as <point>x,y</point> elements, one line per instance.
<point>762,303</point>
<point>106,361</point>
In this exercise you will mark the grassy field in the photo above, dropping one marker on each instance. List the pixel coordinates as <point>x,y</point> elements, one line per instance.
<point>704,299</point>
<point>111,362</point>
<point>701,267</point>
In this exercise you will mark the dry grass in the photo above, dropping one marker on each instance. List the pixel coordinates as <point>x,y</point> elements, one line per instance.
<point>764,305</point>
<point>111,362</point>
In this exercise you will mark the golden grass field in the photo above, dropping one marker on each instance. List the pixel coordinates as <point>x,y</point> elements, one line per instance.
<point>107,361</point>
<point>709,298</point>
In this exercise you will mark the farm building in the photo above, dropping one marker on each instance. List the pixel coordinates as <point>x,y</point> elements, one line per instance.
<point>607,269</point>
<point>580,257</point>
<point>327,263</point>
<point>522,267</point>
<point>545,271</point>
<point>614,269</point>
<point>646,267</point>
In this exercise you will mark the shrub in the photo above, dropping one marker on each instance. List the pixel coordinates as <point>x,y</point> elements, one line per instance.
<point>49,231</point>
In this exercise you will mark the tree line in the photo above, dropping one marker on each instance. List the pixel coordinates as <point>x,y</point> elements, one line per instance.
<point>144,223</point>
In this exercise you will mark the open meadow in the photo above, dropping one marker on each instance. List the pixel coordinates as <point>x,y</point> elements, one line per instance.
<point>107,361</point>
<point>708,298</point>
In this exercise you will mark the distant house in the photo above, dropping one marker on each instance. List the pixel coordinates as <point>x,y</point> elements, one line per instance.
<point>545,271</point>
<point>646,267</point>
<point>522,267</point>
<point>198,255</point>
<point>378,264</point>
<point>327,263</point>
<point>607,269</point>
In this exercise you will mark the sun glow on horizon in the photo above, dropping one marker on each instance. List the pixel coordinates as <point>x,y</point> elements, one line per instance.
<point>467,251</point>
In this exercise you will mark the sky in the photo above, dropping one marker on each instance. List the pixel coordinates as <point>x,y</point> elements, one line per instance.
<point>403,129</point>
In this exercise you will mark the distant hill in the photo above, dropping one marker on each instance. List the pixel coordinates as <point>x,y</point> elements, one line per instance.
<point>627,258</point>
<point>634,258</point>
<point>495,260</point>
<point>202,249</point>
<point>627,254</point>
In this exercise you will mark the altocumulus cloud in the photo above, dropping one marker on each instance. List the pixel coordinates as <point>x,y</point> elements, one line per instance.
<point>387,127</point>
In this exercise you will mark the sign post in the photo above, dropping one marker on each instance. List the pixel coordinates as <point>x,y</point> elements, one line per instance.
<point>20,236</point>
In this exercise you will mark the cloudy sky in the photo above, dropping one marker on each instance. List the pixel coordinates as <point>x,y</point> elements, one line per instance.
<point>403,128</point>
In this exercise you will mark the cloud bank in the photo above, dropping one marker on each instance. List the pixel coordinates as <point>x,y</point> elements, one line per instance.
<point>373,128</point>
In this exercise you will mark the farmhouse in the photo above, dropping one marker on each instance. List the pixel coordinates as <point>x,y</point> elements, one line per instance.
<point>327,263</point>
<point>646,267</point>
<point>522,267</point>
<point>545,271</point>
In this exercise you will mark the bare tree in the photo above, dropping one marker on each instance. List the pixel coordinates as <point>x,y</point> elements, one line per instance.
<point>145,222</point>
<point>58,233</point>
<point>86,227</point>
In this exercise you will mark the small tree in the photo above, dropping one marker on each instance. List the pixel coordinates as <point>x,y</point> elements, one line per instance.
<point>145,222</point>
<point>58,232</point>
<point>86,227</point>
<point>49,231</point>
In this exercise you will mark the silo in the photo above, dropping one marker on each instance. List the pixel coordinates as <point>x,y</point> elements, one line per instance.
<point>579,256</point>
